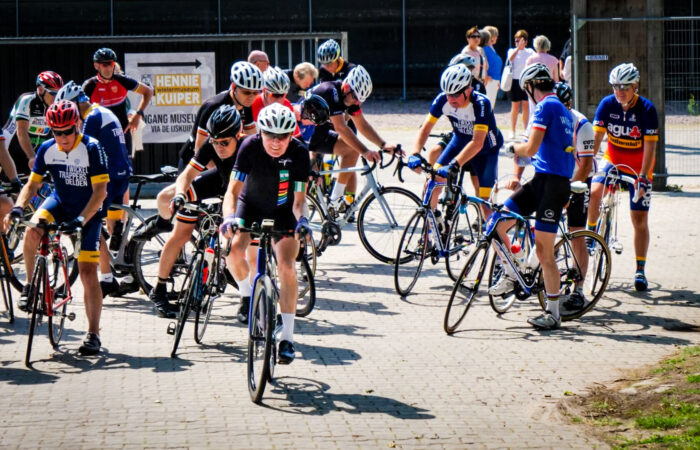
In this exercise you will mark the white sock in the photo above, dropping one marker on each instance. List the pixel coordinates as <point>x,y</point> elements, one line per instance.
<point>287,327</point>
<point>338,191</point>
<point>553,305</point>
<point>244,287</point>
<point>107,277</point>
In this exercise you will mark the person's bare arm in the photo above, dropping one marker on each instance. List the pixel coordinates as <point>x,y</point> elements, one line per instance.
<point>472,148</point>
<point>24,141</point>
<point>146,95</point>
<point>423,134</point>
<point>8,165</point>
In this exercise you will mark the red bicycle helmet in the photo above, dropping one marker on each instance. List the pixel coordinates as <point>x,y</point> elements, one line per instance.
<point>49,80</point>
<point>62,114</point>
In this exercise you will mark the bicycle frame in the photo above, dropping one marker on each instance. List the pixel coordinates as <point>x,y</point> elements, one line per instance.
<point>607,220</point>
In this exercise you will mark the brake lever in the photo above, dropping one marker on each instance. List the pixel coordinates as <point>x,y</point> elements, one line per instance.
<point>398,169</point>
<point>393,157</point>
<point>370,169</point>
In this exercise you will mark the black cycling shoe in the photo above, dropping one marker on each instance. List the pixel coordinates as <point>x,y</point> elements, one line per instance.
<point>127,288</point>
<point>91,345</point>
<point>163,307</point>
<point>243,310</point>
<point>640,282</point>
<point>109,287</point>
<point>152,228</point>
<point>286,352</point>
<point>23,302</point>
<point>575,301</point>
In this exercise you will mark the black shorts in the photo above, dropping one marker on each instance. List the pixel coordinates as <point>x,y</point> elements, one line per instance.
<point>516,94</point>
<point>546,195</point>
<point>185,153</point>
<point>206,185</point>
<point>578,208</point>
<point>284,219</point>
<point>323,140</point>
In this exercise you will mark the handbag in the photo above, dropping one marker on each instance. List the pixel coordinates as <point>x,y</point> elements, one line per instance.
<point>507,77</point>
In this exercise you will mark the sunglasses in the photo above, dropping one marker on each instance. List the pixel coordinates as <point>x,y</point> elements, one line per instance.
<point>456,94</point>
<point>354,96</point>
<point>247,92</point>
<point>621,87</point>
<point>106,63</point>
<point>277,95</point>
<point>279,137</point>
<point>474,36</point>
<point>220,142</point>
<point>52,92</point>
<point>67,132</point>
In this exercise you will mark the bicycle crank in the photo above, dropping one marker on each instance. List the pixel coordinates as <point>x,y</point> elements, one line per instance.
<point>332,231</point>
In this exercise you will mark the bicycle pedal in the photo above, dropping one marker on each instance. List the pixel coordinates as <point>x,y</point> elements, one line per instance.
<point>171,328</point>
<point>70,316</point>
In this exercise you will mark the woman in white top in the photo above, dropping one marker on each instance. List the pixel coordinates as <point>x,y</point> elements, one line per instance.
<point>518,57</point>
<point>473,49</point>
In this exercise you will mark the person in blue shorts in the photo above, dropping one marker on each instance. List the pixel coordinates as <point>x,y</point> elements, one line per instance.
<point>78,166</point>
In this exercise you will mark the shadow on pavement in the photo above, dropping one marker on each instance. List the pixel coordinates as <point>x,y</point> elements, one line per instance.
<point>328,356</point>
<point>107,361</point>
<point>311,326</point>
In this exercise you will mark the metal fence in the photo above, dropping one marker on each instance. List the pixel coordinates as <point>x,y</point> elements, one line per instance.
<point>667,52</point>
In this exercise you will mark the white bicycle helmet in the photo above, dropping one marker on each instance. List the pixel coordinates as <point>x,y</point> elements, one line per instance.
<point>534,73</point>
<point>71,91</point>
<point>359,81</point>
<point>328,52</point>
<point>455,79</point>
<point>461,58</point>
<point>276,119</point>
<point>247,76</point>
<point>624,74</point>
<point>276,81</point>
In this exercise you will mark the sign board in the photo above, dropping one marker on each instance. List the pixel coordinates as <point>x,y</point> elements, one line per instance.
<point>596,57</point>
<point>181,83</point>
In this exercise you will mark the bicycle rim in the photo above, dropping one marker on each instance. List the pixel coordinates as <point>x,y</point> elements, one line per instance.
<point>499,303</point>
<point>306,299</point>
<point>260,327</point>
<point>465,288</point>
<point>36,297</point>
<point>411,254</point>
<point>7,294</point>
<point>463,234</point>
<point>185,300</point>
<point>317,217</point>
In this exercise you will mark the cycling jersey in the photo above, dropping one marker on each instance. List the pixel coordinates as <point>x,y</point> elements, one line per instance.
<point>111,93</point>
<point>556,152</point>
<point>30,107</point>
<point>73,172</point>
<point>340,73</point>
<point>207,154</point>
<point>332,93</point>
<point>627,129</point>
<point>101,123</point>
<point>583,139</point>
<point>258,105</point>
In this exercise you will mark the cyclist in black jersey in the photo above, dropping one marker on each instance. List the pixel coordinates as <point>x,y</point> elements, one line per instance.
<point>302,77</point>
<point>194,184</point>
<point>269,182</point>
<point>331,65</point>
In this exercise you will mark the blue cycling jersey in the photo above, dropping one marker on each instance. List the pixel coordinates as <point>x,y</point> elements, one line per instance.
<point>102,124</point>
<point>556,153</point>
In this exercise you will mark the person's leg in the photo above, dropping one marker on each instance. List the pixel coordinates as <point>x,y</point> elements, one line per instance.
<point>640,223</point>
<point>163,201</point>
<point>239,267</point>
<point>175,243</point>
<point>348,158</point>
<point>594,204</point>
<point>32,236</point>
<point>526,113</point>
<point>6,205</point>
<point>544,242</point>
<point>514,108</point>
<point>93,294</point>
<point>286,251</point>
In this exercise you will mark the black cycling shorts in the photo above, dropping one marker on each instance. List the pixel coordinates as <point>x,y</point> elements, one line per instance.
<point>578,208</point>
<point>323,140</point>
<point>546,195</point>
<point>284,219</point>
<point>206,185</point>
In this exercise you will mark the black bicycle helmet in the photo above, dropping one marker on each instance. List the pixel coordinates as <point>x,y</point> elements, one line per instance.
<point>104,54</point>
<point>224,122</point>
<point>563,91</point>
<point>315,109</point>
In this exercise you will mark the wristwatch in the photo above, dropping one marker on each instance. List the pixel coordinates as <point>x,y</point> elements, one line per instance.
<point>139,112</point>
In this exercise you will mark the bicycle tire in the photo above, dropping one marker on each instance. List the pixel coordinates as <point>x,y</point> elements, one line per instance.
<point>317,217</point>
<point>412,248</point>
<point>9,271</point>
<point>459,244</point>
<point>60,291</point>
<point>377,235</point>
<point>260,330</point>
<point>499,303</point>
<point>464,290</point>
<point>203,310</point>
<point>38,281</point>
<point>185,300</point>
<point>6,268</point>
<point>601,267</point>
<point>306,300</point>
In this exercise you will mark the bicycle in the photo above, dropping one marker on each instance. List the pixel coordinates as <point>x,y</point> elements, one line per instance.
<point>529,279</point>
<point>607,221</point>
<point>424,237</point>
<point>263,323</point>
<point>50,290</point>
<point>382,212</point>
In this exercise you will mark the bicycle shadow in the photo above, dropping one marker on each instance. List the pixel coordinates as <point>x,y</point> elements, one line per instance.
<point>25,377</point>
<point>319,327</point>
<point>328,356</point>
<point>372,307</point>
<point>109,361</point>
<point>310,397</point>
<point>220,352</point>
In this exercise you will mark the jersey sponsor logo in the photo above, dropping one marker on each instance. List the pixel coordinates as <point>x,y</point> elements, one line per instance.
<point>74,175</point>
<point>623,131</point>
<point>549,213</point>
<point>633,118</point>
<point>285,161</point>
<point>635,133</point>
<point>283,191</point>
<point>614,116</point>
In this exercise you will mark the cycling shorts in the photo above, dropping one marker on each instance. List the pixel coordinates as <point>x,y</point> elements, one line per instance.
<point>206,185</point>
<point>577,212</point>
<point>324,138</point>
<point>115,195</point>
<point>484,165</point>
<point>642,204</point>
<point>284,219</point>
<point>546,195</point>
<point>52,211</point>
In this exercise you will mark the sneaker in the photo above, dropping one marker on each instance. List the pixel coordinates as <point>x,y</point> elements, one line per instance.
<point>163,307</point>
<point>640,282</point>
<point>242,315</point>
<point>545,321</point>
<point>23,302</point>
<point>91,345</point>
<point>151,229</point>
<point>504,285</point>
<point>286,352</point>
<point>575,301</point>
<point>109,287</point>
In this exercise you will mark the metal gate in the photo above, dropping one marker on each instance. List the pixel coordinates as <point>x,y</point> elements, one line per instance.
<point>667,52</point>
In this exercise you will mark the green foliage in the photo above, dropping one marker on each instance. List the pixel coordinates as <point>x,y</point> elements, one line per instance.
<point>693,108</point>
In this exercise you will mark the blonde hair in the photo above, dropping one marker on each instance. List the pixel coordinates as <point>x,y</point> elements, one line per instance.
<point>522,34</point>
<point>305,69</point>
<point>493,31</point>
<point>541,43</point>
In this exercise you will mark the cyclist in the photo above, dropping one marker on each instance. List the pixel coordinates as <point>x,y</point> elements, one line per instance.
<point>470,62</point>
<point>269,182</point>
<point>78,167</point>
<point>26,128</point>
<point>101,123</point>
<point>332,66</point>
<point>550,142</point>
<point>632,126</point>
<point>10,172</point>
<point>476,139</point>
<point>275,88</point>
<point>109,88</point>
<point>246,84</point>
<point>194,184</point>
<point>302,77</point>
<point>336,137</point>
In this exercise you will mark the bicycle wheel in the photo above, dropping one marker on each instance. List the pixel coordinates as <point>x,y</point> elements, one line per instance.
<point>465,288</point>
<point>499,303</point>
<point>317,218</point>
<point>5,285</point>
<point>185,299</point>
<point>57,318</point>
<point>462,235</point>
<point>381,221</point>
<point>8,259</point>
<point>306,300</point>
<point>209,293</point>
<point>260,328</point>
<point>36,298</point>
<point>411,253</point>
<point>593,261</point>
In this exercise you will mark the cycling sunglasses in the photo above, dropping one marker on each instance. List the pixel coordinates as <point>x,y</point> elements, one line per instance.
<point>277,95</point>
<point>279,137</point>
<point>221,142</point>
<point>106,63</point>
<point>621,87</point>
<point>67,132</point>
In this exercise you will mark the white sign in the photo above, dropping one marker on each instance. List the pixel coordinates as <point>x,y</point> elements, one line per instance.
<point>596,57</point>
<point>181,83</point>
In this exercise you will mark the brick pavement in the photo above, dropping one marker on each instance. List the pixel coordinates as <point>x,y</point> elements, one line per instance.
<point>372,370</point>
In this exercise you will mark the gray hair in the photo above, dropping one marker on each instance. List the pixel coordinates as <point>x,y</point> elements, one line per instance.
<point>542,44</point>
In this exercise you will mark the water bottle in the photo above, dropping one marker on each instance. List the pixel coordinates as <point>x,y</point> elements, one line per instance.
<point>532,260</point>
<point>208,262</point>
<point>116,241</point>
<point>518,255</point>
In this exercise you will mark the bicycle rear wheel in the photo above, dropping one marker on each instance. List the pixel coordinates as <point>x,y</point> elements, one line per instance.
<point>5,285</point>
<point>57,318</point>
<point>411,253</point>
<point>260,328</point>
<point>463,234</point>
<point>465,288</point>
<point>499,303</point>
<point>209,293</point>
<point>317,217</point>
<point>306,300</point>
<point>381,221</point>
<point>36,299</point>
<point>185,299</point>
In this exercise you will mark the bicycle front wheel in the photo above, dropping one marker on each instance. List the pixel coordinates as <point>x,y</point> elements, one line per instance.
<point>36,299</point>
<point>57,317</point>
<point>5,284</point>
<point>306,300</point>
<point>260,328</point>
<point>381,220</point>
<point>203,313</point>
<point>410,255</point>
<point>317,217</point>
<point>463,234</point>
<point>499,303</point>
<point>466,287</point>
<point>191,286</point>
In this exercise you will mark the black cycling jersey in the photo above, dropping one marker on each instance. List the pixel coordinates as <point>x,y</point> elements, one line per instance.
<point>295,92</point>
<point>331,92</point>
<point>340,74</point>
<point>207,154</point>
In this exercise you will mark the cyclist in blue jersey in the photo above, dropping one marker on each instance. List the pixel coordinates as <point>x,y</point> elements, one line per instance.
<point>78,166</point>
<point>101,123</point>
<point>550,143</point>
